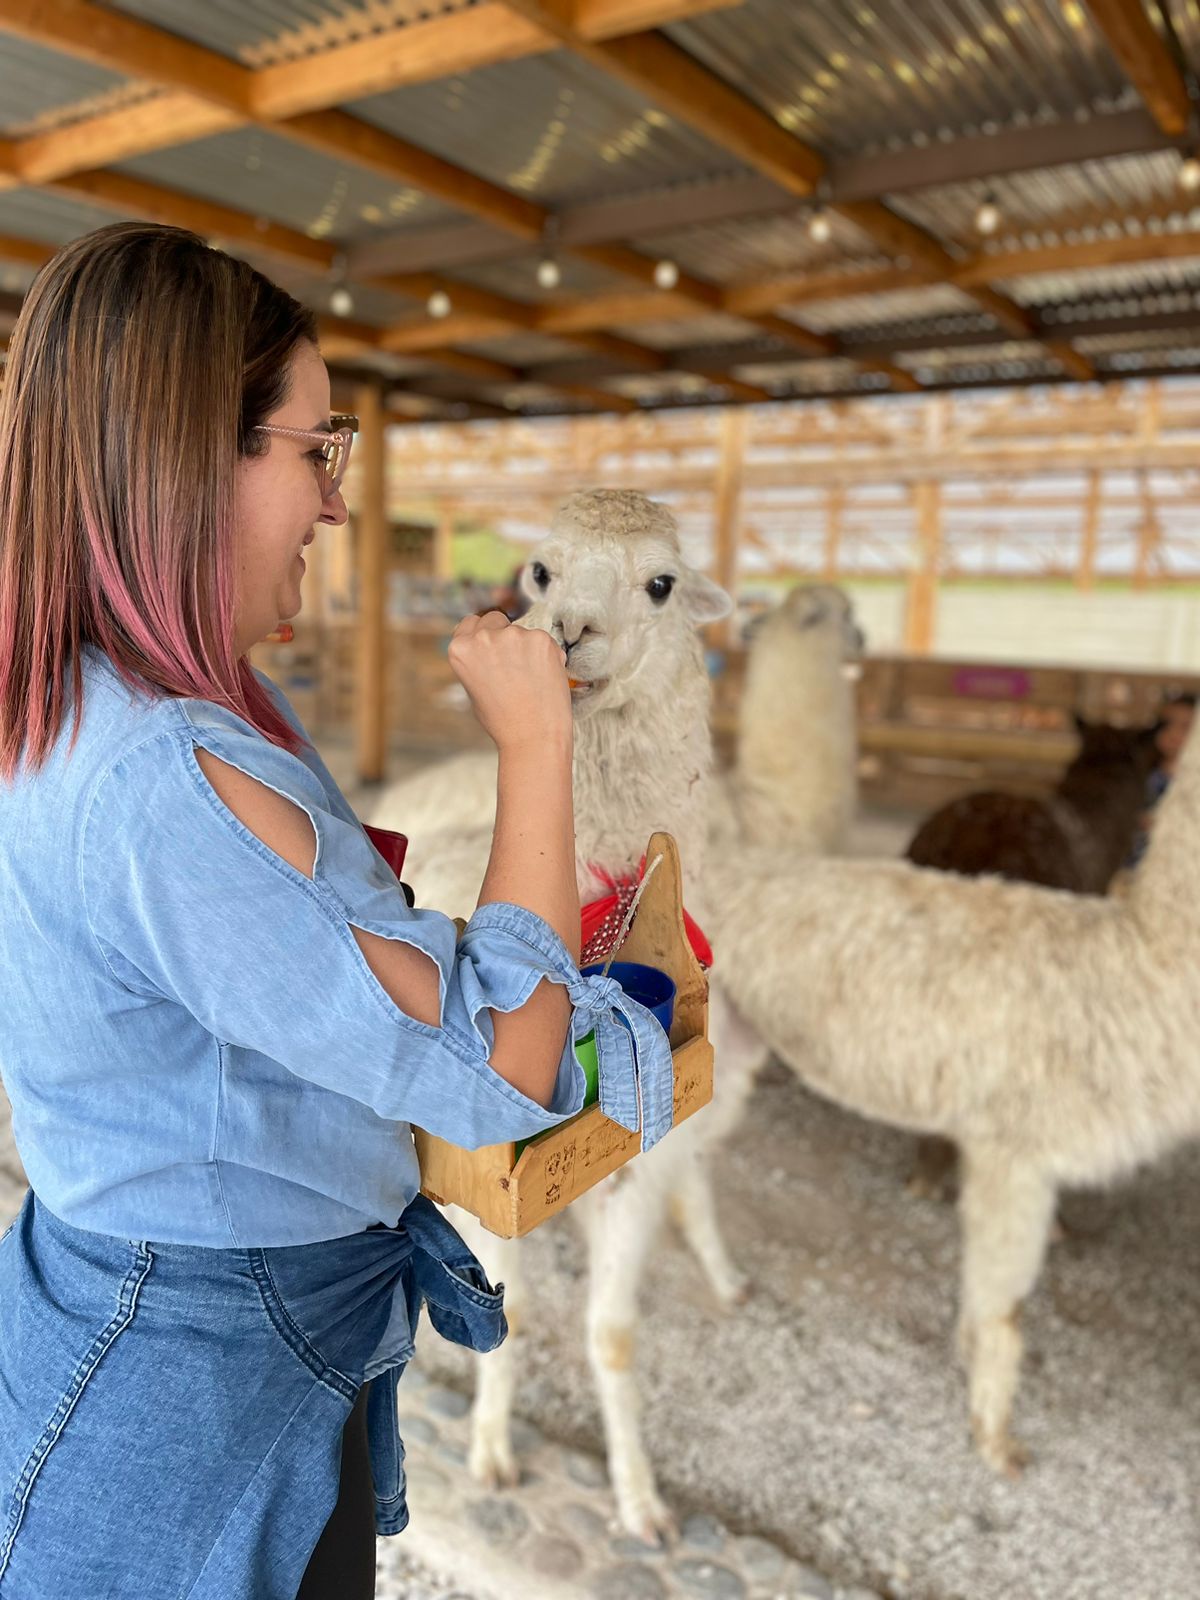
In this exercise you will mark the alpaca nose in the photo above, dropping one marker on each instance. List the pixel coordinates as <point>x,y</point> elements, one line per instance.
<point>569,644</point>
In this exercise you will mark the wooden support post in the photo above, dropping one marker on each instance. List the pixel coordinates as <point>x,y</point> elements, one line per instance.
<point>1149,535</point>
<point>370,731</point>
<point>834,508</point>
<point>921,603</point>
<point>728,509</point>
<point>443,543</point>
<point>1086,578</point>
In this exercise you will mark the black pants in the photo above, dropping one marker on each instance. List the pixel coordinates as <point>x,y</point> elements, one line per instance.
<point>342,1565</point>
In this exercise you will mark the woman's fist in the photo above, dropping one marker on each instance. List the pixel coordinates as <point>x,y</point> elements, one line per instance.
<point>516,679</point>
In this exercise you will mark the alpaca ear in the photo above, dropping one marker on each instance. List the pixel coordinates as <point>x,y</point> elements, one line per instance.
<point>703,600</point>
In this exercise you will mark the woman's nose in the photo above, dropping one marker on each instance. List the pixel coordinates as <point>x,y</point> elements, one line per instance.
<point>333,509</point>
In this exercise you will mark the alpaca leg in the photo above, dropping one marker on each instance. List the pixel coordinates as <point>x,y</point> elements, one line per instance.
<point>490,1456</point>
<point>739,1054</point>
<point>623,1223</point>
<point>693,1209</point>
<point>1006,1210</point>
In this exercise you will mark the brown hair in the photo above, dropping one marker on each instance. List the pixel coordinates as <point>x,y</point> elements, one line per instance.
<point>139,369</point>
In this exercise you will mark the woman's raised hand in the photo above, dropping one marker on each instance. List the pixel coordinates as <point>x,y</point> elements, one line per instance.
<point>516,679</point>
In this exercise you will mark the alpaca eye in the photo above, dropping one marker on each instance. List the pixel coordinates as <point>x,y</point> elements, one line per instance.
<point>540,576</point>
<point>659,588</point>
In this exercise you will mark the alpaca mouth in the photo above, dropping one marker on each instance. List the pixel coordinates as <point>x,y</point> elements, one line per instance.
<point>582,687</point>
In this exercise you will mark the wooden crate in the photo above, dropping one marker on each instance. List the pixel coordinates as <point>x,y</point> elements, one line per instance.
<point>510,1196</point>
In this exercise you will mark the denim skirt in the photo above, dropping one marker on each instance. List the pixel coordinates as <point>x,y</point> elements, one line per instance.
<point>171,1416</point>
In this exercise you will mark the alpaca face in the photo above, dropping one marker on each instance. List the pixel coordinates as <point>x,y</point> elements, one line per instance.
<point>609,583</point>
<point>816,605</point>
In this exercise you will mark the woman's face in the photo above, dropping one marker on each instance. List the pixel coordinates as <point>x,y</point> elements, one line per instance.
<point>277,504</point>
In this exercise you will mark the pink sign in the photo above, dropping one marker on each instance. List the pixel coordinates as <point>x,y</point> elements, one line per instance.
<point>992,683</point>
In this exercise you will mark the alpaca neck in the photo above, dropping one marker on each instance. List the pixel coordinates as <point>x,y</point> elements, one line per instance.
<point>641,768</point>
<point>1166,886</point>
<point>1102,811</point>
<point>797,745</point>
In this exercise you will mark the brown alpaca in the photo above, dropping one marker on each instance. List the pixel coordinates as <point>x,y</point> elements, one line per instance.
<point>1078,839</point>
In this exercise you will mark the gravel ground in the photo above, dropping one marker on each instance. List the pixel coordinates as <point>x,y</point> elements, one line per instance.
<point>828,1415</point>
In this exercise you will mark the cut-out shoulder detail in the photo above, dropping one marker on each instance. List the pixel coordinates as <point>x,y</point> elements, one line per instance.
<point>408,976</point>
<point>280,824</point>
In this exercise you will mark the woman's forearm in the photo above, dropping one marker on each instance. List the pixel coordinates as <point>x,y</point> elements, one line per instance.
<point>532,864</point>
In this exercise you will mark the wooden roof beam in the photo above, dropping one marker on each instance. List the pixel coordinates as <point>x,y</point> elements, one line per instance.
<point>417,52</point>
<point>904,239</point>
<point>121,44</point>
<point>137,198</point>
<point>999,264</point>
<point>657,68</point>
<point>1145,61</point>
<point>29,252</point>
<point>158,122</point>
<point>607,19</point>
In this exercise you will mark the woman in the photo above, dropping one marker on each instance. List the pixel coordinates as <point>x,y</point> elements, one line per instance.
<point>218,1015</point>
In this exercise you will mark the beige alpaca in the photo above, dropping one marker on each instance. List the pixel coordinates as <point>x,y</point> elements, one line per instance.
<point>794,779</point>
<point>1052,1037</point>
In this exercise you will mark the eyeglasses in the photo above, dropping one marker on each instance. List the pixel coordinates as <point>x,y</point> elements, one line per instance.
<point>331,452</point>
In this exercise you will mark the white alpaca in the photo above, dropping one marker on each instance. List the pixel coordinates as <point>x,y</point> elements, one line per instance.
<point>642,761</point>
<point>794,781</point>
<point>609,583</point>
<point>1052,1037</point>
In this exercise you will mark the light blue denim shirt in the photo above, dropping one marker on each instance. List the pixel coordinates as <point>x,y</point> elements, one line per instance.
<point>193,1044</point>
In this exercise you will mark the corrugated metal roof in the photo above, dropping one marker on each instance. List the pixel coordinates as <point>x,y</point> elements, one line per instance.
<point>1140,278</point>
<point>847,75</point>
<point>1104,344</point>
<point>262,32</point>
<point>378,306</point>
<point>44,215</point>
<point>284,181</point>
<point>1046,206</point>
<point>700,329</point>
<point>35,83</point>
<point>1035,367</point>
<point>517,278</point>
<point>523,349</point>
<point>578,133</point>
<point>879,310</point>
<point>933,360</point>
<point>753,247</point>
<point>16,279</point>
<point>1181,356</point>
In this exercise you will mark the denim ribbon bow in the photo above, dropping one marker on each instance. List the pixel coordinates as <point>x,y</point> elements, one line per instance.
<point>633,1055</point>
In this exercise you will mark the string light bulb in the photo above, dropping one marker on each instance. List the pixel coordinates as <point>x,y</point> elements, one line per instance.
<point>438,305</point>
<point>1189,173</point>
<point>987,215</point>
<point>666,274</point>
<point>549,273</point>
<point>820,228</point>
